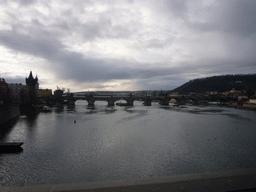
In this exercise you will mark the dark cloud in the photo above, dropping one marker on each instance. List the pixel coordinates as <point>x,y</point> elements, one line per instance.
<point>211,38</point>
<point>103,28</point>
<point>27,2</point>
<point>178,8</point>
<point>69,65</point>
<point>15,79</point>
<point>45,47</point>
<point>230,16</point>
<point>234,17</point>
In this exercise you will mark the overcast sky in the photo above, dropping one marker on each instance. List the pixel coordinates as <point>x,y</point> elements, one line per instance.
<point>125,44</point>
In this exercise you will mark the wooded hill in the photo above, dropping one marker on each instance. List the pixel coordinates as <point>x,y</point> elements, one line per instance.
<point>219,83</point>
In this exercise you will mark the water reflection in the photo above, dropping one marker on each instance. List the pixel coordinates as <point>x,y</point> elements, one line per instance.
<point>110,110</point>
<point>31,117</point>
<point>7,128</point>
<point>59,109</point>
<point>71,107</point>
<point>120,142</point>
<point>136,113</point>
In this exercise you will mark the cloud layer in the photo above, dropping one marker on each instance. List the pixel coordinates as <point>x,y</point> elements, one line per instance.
<point>126,45</point>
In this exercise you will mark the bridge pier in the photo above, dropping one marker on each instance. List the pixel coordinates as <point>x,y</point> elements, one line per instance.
<point>147,101</point>
<point>164,102</point>
<point>129,102</point>
<point>111,103</point>
<point>91,103</point>
<point>90,99</point>
<point>71,102</point>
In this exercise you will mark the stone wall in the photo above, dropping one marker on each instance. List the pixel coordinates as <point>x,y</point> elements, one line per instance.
<point>7,113</point>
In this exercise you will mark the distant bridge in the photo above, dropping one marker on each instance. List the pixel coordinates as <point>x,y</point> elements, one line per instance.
<point>112,99</point>
<point>147,100</point>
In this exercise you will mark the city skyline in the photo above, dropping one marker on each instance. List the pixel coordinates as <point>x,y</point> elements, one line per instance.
<point>125,45</point>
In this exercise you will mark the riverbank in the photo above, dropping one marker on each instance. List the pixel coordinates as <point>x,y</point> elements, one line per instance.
<point>232,181</point>
<point>7,113</point>
<point>249,107</point>
<point>245,106</point>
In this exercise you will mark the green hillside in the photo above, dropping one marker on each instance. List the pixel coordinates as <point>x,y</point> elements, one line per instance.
<point>219,83</point>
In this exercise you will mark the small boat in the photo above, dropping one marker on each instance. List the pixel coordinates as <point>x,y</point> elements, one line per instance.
<point>214,103</point>
<point>122,104</point>
<point>11,147</point>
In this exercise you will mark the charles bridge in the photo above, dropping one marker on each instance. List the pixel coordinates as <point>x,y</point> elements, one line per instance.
<point>147,100</point>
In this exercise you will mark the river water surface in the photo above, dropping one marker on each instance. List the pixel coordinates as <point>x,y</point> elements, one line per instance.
<point>127,142</point>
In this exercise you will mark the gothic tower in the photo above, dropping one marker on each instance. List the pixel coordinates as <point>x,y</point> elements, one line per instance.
<point>32,87</point>
<point>31,81</point>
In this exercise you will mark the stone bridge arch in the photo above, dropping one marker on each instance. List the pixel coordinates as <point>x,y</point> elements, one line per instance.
<point>80,102</point>
<point>111,100</point>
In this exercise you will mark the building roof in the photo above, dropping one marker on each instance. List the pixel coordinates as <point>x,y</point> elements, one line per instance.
<point>253,97</point>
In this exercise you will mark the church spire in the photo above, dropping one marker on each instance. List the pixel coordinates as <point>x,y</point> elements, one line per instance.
<point>30,75</point>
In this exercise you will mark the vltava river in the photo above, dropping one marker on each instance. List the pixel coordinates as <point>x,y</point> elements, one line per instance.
<point>127,142</point>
